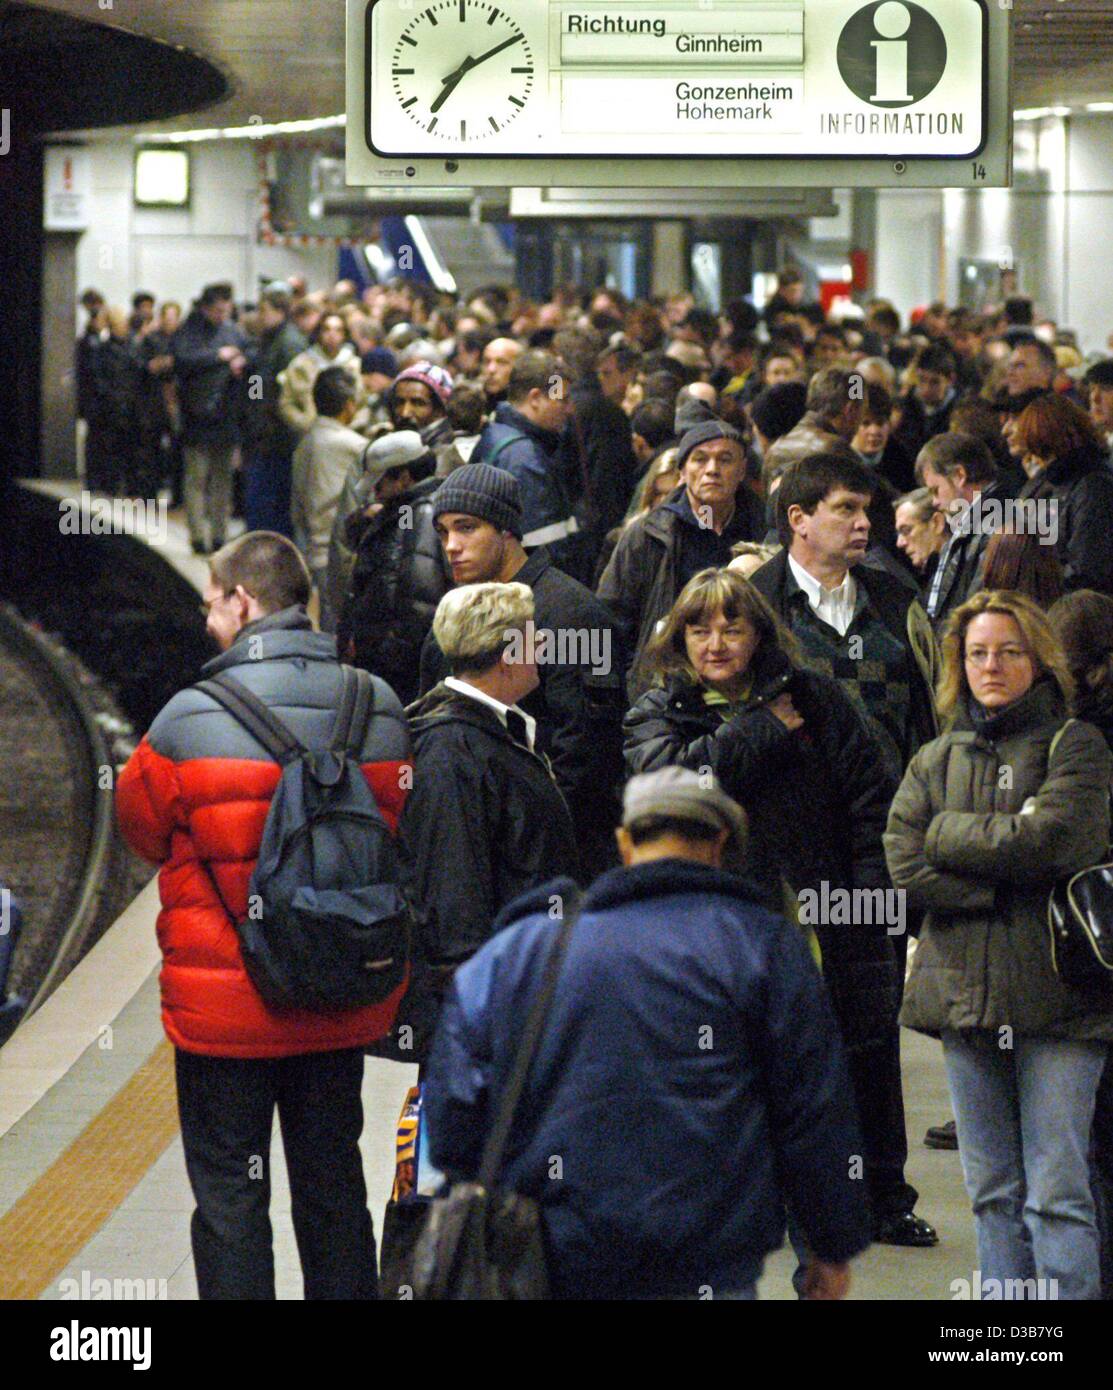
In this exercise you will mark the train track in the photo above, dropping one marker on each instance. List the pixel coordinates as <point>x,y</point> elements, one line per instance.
<point>62,739</point>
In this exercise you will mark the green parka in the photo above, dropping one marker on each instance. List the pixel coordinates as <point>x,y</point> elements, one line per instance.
<point>980,830</point>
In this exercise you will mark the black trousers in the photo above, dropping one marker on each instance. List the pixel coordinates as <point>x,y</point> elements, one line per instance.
<point>226,1106</point>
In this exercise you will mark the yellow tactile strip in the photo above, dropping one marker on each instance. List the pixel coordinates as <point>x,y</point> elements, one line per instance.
<point>68,1204</point>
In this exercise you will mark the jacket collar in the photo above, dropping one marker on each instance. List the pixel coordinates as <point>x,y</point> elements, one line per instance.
<point>278,636</point>
<point>1042,705</point>
<point>1075,464</point>
<point>661,878</point>
<point>505,414</point>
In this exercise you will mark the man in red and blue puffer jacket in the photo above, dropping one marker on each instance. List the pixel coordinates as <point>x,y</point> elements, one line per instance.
<point>194,797</point>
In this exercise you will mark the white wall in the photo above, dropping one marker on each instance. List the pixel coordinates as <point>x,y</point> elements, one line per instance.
<point>1053,225</point>
<point>174,253</point>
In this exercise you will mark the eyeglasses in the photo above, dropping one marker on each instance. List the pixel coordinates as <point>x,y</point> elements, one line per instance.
<point>206,607</point>
<point>1010,656</point>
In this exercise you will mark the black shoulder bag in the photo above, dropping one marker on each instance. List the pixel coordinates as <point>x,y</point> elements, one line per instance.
<point>479,1243</point>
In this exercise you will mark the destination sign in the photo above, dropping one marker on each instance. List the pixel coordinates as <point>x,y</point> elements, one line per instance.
<point>888,80</point>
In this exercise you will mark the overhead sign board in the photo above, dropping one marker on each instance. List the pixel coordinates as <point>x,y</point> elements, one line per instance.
<point>495,86</point>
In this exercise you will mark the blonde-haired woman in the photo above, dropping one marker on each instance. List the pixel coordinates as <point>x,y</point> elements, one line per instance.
<point>988,817</point>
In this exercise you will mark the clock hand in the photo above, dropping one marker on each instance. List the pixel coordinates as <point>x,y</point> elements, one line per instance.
<point>497,49</point>
<point>449,85</point>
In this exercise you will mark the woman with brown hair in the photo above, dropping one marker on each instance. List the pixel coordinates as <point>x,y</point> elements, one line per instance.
<point>1024,565</point>
<point>988,817</point>
<point>733,697</point>
<point>1068,471</point>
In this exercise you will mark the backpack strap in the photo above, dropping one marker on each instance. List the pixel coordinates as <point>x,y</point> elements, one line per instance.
<point>504,444</point>
<point>357,705</point>
<point>251,713</point>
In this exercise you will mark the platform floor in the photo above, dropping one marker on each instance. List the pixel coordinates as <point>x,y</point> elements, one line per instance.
<point>93,1183</point>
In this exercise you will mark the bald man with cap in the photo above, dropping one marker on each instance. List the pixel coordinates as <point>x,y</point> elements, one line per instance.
<point>707,515</point>
<point>689,1077</point>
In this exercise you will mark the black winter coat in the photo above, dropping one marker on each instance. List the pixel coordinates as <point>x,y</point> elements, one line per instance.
<point>115,383</point>
<point>484,821</point>
<point>265,432</point>
<point>398,579</point>
<point>816,800</point>
<point>598,459</point>
<point>1081,483</point>
<point>208,393</point>
<point>578,706</point>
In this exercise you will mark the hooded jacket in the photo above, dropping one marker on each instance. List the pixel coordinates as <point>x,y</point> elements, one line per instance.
<point>677,1156</point>
<point>980,851</point>
<point>194,798</point>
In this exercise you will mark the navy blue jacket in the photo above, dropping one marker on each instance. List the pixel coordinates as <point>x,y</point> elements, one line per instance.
<point>530,453</point>
<point>690,1082</point>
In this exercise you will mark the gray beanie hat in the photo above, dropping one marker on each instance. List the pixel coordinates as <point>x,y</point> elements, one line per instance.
<point>392,451</point>
<point>479,489</point>
<point>685,795</point>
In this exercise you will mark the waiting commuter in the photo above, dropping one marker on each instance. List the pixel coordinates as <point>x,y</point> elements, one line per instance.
<point>921,530</point>
<point>329,348</point>
<point>690,1075</point>
<point>499,356</point>
<point>661,480</point>
<point>580,703</point>
<point>524,439</point>
<point>194,798</point>
<point>926,410</point>
<point>855,621</point>
<point>269,442</point>
<point>1033,366</point>
<point>321,463</point>
<point>400,574</point>
<point>418,400</point>
<point>960,474</point>
<point>1069,477</point>
<point>980,852</point>
<point>734,696</point>
<point>1083,623</point>
<point>209,363</point>
<point>660,551</point>
<point>485,820</point>
<point>159,446</point>
<point>1099,379</point>
<point>876,446</point>
<point>1020,562</point>
<point>112,447</point>
<point>467,414</point>
<point>834,412</point>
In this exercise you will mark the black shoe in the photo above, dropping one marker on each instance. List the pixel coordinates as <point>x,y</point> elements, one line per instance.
<point>218,544</point>
<point>942,1136</point>
<point>905,1229</point>
<point>200,548</point>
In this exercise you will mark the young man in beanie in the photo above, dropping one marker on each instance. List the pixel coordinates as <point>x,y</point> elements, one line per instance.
<point>709,513</point>
<point>579,703</point>
<point>690,1075</point>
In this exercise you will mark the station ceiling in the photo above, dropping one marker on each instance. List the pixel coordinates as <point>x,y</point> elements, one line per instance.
<point>284,59</point>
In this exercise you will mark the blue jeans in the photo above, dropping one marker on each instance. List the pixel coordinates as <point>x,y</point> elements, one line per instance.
<point>1024,1115</point>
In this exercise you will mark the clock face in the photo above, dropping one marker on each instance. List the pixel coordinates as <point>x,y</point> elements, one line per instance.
<point>462,69</point>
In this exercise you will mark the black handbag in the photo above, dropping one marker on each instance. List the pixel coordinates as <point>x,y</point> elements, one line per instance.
<point>479,1242</point>
<point>1080,919</point>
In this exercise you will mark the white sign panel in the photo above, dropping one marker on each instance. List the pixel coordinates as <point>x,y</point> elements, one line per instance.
<point>68,189</point>
<point>830,79</point>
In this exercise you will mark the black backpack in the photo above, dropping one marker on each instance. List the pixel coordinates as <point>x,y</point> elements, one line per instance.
<point>327,926</point>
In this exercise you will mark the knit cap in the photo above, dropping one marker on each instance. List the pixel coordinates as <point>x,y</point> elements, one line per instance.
<point>436,378</point>
<point>481,490</point>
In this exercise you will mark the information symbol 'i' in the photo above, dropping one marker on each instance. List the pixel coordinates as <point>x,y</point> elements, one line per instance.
<point>891,20</point>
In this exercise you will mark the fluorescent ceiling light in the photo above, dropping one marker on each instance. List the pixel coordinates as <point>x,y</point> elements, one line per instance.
<point>244,132</point>
<point>1099,106</point>
<point>1036,113</point>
